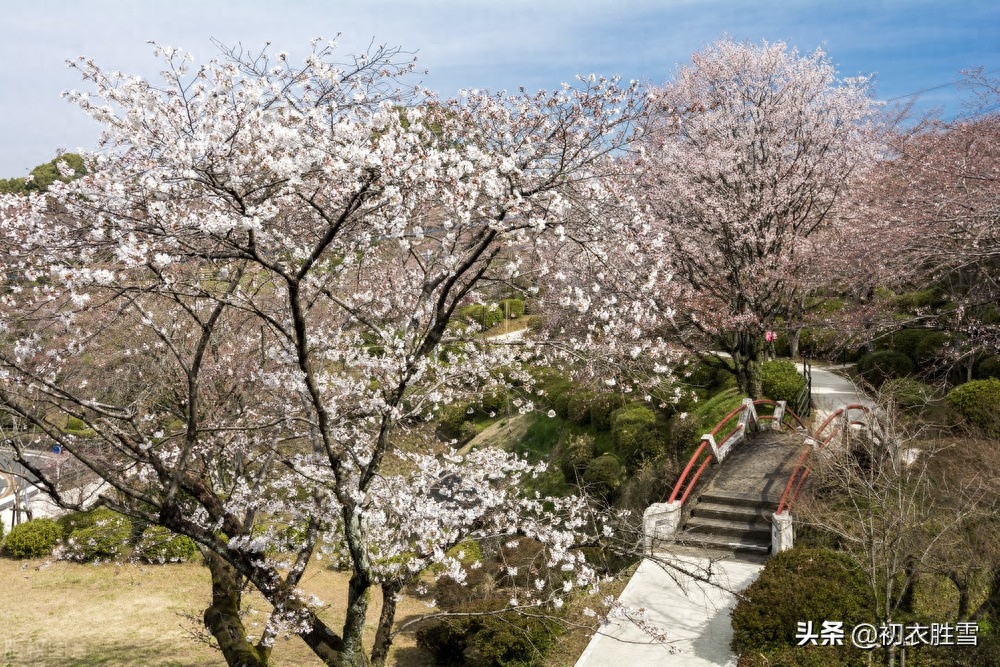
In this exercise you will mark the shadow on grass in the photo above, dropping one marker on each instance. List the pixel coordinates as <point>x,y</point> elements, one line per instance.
<point>86,654</point>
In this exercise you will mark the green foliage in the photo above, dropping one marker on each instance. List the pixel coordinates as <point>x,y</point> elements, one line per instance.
<point>708,413</point>
<point>682,434</point>
<point>512,308</point>
<point>486,316</point>
<point>878,367</point>
<point>573,454</point>
<point>602,405</point>
<point>638,434</point>
<point>160,545</point>
<point>492,640</point>
<point>910,302</point>
<point>979,402</point>
<point>907,393</point>
<point>80,520</point>
<point>781,381</point>
<point>467,432</point>
<point>44,175</point>
<point>801,584</point>
<point>988,368</point>
<point>107,539</point>
<point>604,476</point>
<point>922,346</point>
<point>32,539</point>
<point>578,407</point>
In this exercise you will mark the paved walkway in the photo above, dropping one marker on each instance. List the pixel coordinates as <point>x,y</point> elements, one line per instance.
<point>830,391</point>
<point>694,615</point>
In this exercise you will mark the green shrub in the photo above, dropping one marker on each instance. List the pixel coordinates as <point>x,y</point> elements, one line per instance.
<point>781,381</point>
<point>32,539</point>
<point>578,408</point>
<point>486,316</point>
<point>979,402</point>
<point>491,640</point>
<point>922,346</point>
<point>682,434</point>
<point>801,584</point>
<point>602,406</point>
<point>512,308</point>
<point>907,393</point>
<point>638,436</point>
<point>467,432</point>
<point>988,368</point>
<point>878,367</point>
<point>160,545</point>
<point>107,539</point>
<point>573,454</point>
<point>74,521</point>
<point>604,476</point>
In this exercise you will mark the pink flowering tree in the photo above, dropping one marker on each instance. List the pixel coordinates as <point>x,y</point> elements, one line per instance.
<point>750,150</point>
<point>249,303</point>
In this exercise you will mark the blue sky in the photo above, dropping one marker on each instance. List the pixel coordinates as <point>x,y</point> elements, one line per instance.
<point>495,44</point>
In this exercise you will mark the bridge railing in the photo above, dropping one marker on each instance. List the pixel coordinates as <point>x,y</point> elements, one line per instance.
<point>736,426</point>
<point>822,436</point>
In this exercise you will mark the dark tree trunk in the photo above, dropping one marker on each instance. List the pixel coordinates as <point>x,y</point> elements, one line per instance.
<point>223,620</point>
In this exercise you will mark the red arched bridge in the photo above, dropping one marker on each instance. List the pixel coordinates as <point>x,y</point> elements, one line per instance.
<point>737,491</point>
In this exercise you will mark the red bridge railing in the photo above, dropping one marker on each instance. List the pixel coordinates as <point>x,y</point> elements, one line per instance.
<point>737,424</point>
<point>820,439</point>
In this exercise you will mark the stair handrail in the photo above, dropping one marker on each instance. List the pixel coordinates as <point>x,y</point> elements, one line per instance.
<point>749,420</point>
<point>813,444</point>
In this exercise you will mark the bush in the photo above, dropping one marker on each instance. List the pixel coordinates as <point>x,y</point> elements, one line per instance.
<point>160,545</point>
<point>74,521</point>
<point>878,367</point>
<point>107,539</point>
<point>601,408</point>
<point>797,585</point>
<point>492,640</point>
<point>573,454</point>
<point>908,394</point>
<point>604,476</point>
<point>486,316</point>
<point>781,381</point>
<point>578,407</point>
<point>988,368</point>
<point>512,308</point>
<point>979,402</point>
<point>637,435</point>
<point>32,539</point>
<point>922,346</point>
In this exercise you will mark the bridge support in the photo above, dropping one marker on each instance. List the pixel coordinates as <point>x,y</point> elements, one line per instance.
<point>782,533</point>
<point>660,523</point>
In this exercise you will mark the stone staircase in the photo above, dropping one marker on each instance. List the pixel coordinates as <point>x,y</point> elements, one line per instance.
<point>727,520</point>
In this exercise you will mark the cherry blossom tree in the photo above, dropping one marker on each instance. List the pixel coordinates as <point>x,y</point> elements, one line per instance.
<point>750,150</point>
<point>936,199</point>
<point>249,303</point>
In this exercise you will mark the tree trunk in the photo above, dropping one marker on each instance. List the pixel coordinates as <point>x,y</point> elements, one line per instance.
<point>223,620</point>
<point>747,361</point>
<point>358,595</point>
<point>383,636</point>
<point>793,342</point>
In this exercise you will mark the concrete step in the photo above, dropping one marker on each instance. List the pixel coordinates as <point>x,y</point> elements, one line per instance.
<point>745,530</point>
<point>707,510</point>
<point>738,499</point>
<point>724,543</point>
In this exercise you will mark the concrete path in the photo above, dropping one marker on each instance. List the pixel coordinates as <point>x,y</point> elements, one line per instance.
<point>830,391</point>
<point>695,616</point>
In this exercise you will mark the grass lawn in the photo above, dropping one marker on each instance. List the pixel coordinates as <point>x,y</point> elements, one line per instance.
<point>61,614</point>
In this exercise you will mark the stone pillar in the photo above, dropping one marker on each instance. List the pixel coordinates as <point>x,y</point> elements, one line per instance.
<point>782,534</point>
<point>660,523</point>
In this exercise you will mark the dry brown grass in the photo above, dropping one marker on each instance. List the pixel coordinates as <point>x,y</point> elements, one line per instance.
<point>62,614</point>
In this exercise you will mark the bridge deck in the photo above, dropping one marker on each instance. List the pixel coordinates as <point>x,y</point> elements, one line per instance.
<point>758,467</point>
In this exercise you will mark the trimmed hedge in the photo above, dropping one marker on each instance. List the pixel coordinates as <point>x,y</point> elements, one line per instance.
<point>988,368</point>
<point>604,476</point>
<point>637,435</point>
<point>800,584</point>
<point>512,308</point>
<point>878,367</point>
<point>979,402</point>
<point>573,454</point>
<point>32,539</point>
<point>160,545</point>
<point>107,539</point>
<point>781,381</point>
<point>907,393</point>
